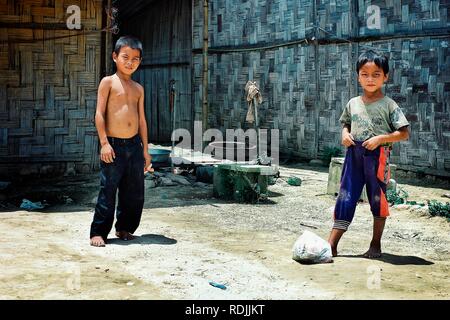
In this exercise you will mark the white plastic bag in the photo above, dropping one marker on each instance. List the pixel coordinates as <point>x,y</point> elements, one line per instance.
<point>310,248</point>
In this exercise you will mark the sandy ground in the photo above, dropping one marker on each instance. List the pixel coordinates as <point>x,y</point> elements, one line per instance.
<point>188,238</point>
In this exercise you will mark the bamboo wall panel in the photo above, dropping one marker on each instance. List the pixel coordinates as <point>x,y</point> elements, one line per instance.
<point>406,17</point>
<point>48,85</point>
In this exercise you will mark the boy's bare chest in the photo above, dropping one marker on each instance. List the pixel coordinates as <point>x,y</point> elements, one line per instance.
<point>124,94</point>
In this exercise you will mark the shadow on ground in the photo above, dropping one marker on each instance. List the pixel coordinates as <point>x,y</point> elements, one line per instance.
<point>395,259</point>
<point>144,239</point>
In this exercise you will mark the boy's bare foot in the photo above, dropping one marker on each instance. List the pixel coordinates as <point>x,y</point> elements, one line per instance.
<point>333,240</point>
<point>333,250</point>
<point>124,235</point>
<point>97,241</point>
<point>374,251</point>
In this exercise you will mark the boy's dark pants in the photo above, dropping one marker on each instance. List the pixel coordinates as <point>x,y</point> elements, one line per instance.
<point>125,174</point>
<point>362,166</point>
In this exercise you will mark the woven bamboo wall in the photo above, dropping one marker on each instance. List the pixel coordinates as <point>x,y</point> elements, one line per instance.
<point>410,17</point>
<point>288,92</point>
<point>306,85</point>
<point>48,86</point>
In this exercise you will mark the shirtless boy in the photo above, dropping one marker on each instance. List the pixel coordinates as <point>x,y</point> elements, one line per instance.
<point>122,130</point>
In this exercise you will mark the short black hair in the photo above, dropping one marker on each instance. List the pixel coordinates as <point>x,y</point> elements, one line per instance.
<point>371,56</point>
<point>128,41</point>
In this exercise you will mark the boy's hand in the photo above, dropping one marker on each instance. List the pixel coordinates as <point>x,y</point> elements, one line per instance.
<point>372,143</point>
<point>148,163</point>
<point>107,153</point>
<point>347,139</point>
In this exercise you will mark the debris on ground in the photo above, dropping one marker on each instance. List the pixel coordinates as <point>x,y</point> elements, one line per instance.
<point>397,196</point>
<point>218,285</point>
<point>294,181</point>
<point>437,208</point>
<point>309,226</point>
<point>29,205</point>
<point>399,200</point>
<point>168,179</point>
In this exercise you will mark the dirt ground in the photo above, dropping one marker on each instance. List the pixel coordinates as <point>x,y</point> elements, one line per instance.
<point>188,238</point>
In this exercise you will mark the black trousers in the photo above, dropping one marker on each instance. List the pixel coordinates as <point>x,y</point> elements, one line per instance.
<point>125,174</point>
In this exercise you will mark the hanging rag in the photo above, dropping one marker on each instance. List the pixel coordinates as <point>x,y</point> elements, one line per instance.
<point>252,90</point>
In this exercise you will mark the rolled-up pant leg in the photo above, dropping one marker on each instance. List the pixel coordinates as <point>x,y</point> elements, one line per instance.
<point>352,183</point>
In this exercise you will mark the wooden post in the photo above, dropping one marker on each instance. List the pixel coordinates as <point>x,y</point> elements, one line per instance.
<point>317,69</point>
<point>353,48</point>
<point>108,43</point>
<point>205,66</point>
<point>256,128</point>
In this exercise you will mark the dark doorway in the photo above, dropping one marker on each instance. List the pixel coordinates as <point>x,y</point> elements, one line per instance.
<point>165,29</point>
